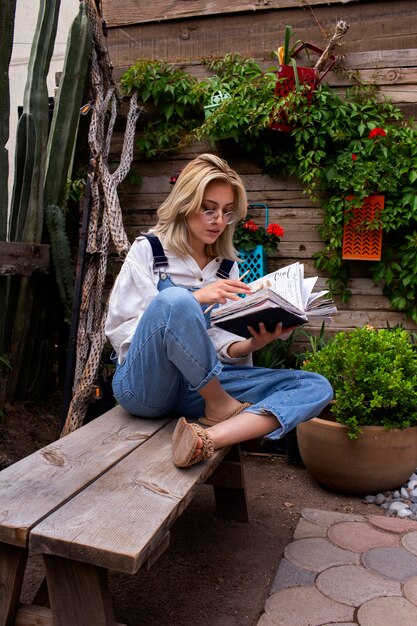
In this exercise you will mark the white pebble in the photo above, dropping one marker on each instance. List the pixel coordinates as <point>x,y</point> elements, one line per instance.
<point>398,506</point>
<point>412,484</point>
<point>404,493</point>
<point>404,513</point>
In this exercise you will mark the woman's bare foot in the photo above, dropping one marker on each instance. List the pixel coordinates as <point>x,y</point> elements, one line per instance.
<point>226,411</point>
<point>219,405</point>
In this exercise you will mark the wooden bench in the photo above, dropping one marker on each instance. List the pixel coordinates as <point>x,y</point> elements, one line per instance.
<point>102,498</point>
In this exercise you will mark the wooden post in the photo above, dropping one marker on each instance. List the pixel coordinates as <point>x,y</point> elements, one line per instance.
<point>228,481</point>
<point>78,593</point>
<point>12,569</point>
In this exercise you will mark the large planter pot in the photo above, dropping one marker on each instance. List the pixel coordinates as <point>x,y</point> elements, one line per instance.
<point>378,460</point>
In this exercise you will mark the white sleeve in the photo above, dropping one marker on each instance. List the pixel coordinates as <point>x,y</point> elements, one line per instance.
<point>134,288</point>
<point>222,339</point>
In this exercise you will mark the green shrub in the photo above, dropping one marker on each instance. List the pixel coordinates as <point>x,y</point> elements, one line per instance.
<point>374,377</point>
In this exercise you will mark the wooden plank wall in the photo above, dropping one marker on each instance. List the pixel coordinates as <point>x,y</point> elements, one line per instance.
<point>381,45</point>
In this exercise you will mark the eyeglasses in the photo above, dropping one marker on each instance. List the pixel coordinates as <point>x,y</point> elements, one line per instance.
<point>210,216</point>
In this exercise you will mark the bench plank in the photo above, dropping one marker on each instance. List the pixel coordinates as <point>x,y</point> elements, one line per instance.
<point>40,483</point>
<point>119,520</point>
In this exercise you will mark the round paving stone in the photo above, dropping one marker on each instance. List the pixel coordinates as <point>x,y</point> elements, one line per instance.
<point>303,606</point>
<point>359,536</point>
<point>306,529</point>
<point>394,563</point>
<point>354,585</point>
<point>387,612</point>
<point>393,524</point>
<point>410,590</point>
<point>289,575</point>
<point>327,518</point>
<point>318,554</point>
<point>409,542</point>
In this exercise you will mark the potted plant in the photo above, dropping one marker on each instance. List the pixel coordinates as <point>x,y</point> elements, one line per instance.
<point>366,441</point>
<point>255,242</point>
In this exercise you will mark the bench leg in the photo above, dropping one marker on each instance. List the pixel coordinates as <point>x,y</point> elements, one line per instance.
<point>228,481</point>
<point>12,570</point>
<point>78,593</point>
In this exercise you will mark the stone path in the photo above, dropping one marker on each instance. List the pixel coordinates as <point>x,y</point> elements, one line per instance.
<point>345,570</point>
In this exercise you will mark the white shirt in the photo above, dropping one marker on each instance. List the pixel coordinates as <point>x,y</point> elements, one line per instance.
<point>136,286</point>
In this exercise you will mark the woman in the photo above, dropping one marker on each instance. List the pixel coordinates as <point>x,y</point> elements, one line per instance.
<point>169,359</point>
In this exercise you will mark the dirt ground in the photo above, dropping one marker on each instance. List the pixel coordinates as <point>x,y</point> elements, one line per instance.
<point>215,572</point>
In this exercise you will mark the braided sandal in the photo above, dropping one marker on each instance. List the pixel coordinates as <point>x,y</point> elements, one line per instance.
<point>185,442</point>
<point>208,422</point>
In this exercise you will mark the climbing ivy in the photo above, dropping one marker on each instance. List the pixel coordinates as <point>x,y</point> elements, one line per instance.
<point>343,147</point>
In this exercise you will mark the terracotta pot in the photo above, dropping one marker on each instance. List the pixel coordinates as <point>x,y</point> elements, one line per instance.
<point>378,460</point>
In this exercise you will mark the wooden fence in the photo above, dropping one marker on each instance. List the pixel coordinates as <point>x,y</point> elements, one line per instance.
<point>380,46</point>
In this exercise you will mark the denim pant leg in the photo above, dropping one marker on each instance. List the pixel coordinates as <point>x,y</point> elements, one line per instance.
<point>293,396</point>
<point>170,354</point>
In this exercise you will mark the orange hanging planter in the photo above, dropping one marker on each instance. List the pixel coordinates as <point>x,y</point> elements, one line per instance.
<point>358,242</point>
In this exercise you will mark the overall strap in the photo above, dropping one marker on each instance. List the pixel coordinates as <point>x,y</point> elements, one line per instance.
<point>159,258</point>
<point>224,268</point>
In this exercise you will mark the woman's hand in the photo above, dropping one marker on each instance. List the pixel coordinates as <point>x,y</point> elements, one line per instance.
<point>258,340</point>
<point>220,291</point>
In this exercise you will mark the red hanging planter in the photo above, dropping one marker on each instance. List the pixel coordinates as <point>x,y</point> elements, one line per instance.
<point>306,76</point>
<point>358,242</point>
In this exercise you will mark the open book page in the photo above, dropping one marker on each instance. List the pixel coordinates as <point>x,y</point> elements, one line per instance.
<point>260,300</point>
<point>287,282</point>
<point>307,288</point>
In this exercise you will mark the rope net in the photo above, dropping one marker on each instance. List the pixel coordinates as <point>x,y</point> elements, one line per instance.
<point>106,220</point>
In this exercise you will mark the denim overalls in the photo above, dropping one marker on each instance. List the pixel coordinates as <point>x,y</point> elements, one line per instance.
<point>171,357</point>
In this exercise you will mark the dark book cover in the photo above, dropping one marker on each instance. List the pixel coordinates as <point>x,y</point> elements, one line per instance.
<point>270,317</point>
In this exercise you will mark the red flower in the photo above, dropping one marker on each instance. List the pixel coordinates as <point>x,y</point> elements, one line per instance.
<point>250,225</point>
<point>174,178</point>
<point>377,132</point>
<point>349,198</point>
<point>354,157</point>
<point>275,229</point>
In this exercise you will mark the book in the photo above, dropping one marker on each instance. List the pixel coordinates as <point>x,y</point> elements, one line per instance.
<point>284,296</point>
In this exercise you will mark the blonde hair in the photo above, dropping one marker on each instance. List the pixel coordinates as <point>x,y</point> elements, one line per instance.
<point>186,198</point>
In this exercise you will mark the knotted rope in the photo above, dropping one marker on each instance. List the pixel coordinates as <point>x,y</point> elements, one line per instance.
<point>106,221</point>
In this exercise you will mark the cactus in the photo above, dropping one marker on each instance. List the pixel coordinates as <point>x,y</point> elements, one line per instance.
<point>36,102</point>
<point>24,162</point>
<point>61,256</point>
<point>67,109</point>
<point>7,17</point>
<point>60,149</point>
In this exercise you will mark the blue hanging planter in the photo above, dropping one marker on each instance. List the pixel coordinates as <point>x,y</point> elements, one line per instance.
<point>255,261</point>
